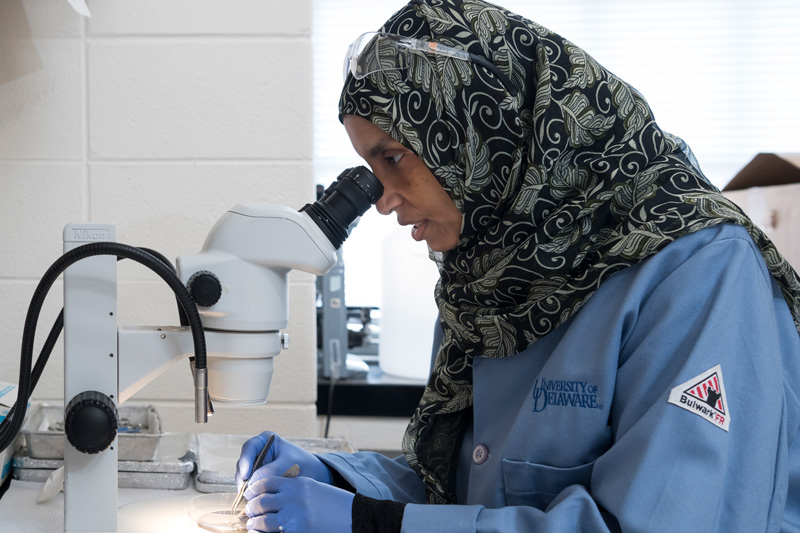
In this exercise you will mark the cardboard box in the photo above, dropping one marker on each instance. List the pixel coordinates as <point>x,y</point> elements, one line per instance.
<point>768,190</point>
<point>8,396</point>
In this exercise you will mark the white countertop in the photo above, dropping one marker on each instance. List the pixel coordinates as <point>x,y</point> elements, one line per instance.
<point>20,513</point>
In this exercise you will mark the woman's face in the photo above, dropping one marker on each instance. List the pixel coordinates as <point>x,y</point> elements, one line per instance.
<point>409,188</point>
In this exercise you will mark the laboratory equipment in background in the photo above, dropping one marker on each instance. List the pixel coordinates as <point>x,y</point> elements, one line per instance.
<point>388,348</point>
<point>346,336</point>
<point>408,309</point>
<point>397,336</point>
<point>334,338</point>
<point>233,302</point>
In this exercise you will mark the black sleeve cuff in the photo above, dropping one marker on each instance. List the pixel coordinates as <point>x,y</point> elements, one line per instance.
<point>376,516</point>
<point>338,481</point>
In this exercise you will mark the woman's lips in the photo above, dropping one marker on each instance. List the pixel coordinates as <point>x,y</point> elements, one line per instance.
<point>418,231</point>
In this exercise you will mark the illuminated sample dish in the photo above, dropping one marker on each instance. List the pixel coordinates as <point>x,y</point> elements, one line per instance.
<point>212,512</point>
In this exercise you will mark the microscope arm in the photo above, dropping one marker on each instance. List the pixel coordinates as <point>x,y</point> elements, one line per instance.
<point>146,352</point>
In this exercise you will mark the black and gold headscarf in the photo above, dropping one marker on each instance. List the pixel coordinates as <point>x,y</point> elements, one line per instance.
<point>563,179</point>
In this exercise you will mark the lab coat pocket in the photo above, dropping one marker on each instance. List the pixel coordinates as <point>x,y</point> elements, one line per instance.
<point>537,485</point>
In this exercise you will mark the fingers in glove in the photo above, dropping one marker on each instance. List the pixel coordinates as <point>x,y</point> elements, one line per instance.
<point>249,453</point>
<point>272,523</point>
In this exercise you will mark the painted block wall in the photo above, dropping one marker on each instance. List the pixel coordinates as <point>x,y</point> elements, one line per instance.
<point>158,117</point>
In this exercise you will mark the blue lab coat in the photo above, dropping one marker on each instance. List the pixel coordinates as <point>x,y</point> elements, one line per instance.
<point>578,432</point>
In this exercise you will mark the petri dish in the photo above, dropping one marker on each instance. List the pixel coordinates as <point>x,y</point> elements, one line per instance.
<point>212,512</point>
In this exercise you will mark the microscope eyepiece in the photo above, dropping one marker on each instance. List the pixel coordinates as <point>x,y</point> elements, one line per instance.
<point>347,198</point>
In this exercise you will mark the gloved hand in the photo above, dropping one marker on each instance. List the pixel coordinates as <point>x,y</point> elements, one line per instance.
<point>280,504</point>
<point>280,457</point>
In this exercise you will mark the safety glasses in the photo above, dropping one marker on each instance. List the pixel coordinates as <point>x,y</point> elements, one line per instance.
<point>378,51</point>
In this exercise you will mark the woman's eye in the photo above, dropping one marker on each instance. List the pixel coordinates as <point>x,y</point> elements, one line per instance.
<point>393,159</point>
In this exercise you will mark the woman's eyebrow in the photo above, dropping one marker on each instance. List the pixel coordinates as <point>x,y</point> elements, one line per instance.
<point>380,147</point>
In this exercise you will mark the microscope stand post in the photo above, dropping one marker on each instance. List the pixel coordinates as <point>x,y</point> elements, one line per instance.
<point>90,364</point>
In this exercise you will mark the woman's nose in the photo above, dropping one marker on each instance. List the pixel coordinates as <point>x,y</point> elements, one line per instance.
<point>388,202</point>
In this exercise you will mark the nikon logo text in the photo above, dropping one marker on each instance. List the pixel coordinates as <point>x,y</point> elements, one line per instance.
<point>79,234</point>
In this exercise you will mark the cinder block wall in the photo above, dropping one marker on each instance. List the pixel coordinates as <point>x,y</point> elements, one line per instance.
<point>156,116</point>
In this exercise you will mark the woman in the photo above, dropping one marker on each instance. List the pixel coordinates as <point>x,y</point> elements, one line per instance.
<point>618,345</point>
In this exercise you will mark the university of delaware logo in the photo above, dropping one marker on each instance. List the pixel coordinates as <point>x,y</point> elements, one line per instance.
<point>704,395</point>
<point>564,393</point>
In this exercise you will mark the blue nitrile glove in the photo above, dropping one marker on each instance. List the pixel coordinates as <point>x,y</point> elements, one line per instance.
<point>280,458</point>
<point>279,504</point>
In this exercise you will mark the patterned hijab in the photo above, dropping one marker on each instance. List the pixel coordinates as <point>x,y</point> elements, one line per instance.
<point>561,182</point>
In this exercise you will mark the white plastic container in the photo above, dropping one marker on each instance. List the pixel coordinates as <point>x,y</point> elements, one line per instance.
<point>408,309</point>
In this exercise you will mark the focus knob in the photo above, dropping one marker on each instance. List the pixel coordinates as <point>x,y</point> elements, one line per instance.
<point>205,288</point>
<point>91,421</point>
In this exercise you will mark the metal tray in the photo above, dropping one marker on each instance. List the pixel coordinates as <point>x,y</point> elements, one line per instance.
<point>125,480</point>
<point>217,455</point>
<point>138,436</point>
<point>172,469</point>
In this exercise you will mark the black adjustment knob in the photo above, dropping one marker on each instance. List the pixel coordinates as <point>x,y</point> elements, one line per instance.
<point>91,421</point>
<point>205,288</point>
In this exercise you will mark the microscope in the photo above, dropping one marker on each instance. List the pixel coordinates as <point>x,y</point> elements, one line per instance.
<point>233,300</point>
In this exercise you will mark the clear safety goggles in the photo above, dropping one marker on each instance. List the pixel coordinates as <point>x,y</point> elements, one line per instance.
<point>376,51</point>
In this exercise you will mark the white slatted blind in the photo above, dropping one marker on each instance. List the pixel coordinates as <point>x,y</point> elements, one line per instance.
<point>721,74</point>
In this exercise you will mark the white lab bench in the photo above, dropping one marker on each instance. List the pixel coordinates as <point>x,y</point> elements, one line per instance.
<point>151,510</point>
<point>19,512</point>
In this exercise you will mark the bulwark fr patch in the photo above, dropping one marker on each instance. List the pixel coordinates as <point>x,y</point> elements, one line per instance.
<point>704,395</point>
